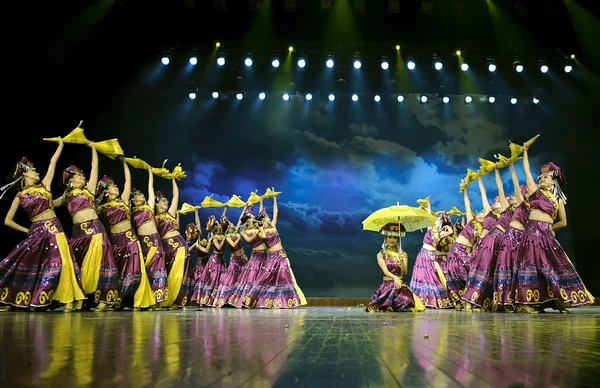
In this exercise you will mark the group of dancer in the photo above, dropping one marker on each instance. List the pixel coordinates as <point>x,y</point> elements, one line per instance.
<point>143,261</point>
<point>506,258</point>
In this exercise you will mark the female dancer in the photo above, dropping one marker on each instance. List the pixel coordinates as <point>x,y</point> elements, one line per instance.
<point>459,257</point>
<point>176,250</point>
<point>134,288</point>
<point>41,268</point>
<point>89,240</point>
<point>255,265</point>
<point>508,249</point>
<point>393,294</point>
<point>545,275</point>
<point>152,248</point>
<point>479,289</point>
<point>193,233</point>
<point>428,280</point>
<point>206,289</point>
<point>237,261</point>
<point>276,285</point>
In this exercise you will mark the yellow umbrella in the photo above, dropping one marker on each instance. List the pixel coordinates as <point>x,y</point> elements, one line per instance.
<point>235,201</point>
<point>137,163</point>
<point>270,194</point>
<point>412,218</point>
<point>110,148</point>
<point>253,199</point>
<point>186,208</point>
<point>487,166</point>
<point>209,202</point>
<point>516,149</point>
<point>76,136</point>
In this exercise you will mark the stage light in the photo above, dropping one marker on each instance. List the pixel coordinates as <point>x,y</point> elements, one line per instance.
<point>411,65</point>
<point>464,66</point>
<point>446,99</point>
<point>468,99</point>
<point>572,56</point>
<point>397,47</point>
<point>308,96</point>
<point>491,99</point>
<point>192,95</point>
<point>301,63</point>
<point>262,96</point>
<point>218,44</point>
<point>329,63</point>
<point>275,62</point>
<point>248,62</point>
<point>193,61</point>
<point>354,97</point>
<point>331,97</point>
<point>215,95</point>
<point>400,98</point>
<point>518,66</point>
<point>423,99</point>
<point>239,96</point>
<point>385,65</point>
<point>438,65</point>
<point>221,61</point>
<point>290,49</point>
<point>286,97</point>
<point>491,65</point>
<point>166,58</point>
<point>377,98</point>
<point>357,64</point>
<point>458,52</point>
<point>535,100</point>
<point>567,66</point>
<point>513,100</point>
<point>543,67</point>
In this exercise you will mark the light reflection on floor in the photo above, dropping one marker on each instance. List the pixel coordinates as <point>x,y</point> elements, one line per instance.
<point>314,347</point>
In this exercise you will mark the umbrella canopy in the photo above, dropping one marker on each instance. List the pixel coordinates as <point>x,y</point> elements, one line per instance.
<point>411,217</point>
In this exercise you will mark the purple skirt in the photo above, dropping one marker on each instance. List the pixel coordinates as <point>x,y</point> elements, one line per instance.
<point>30,274</point>
<point>176,249</point>
<point>275,286</point>
<point>479,290</point>
<point>87,240</point>
<point>229,279</point>
<point>458,267</point>
<point>196,275</point>
<point>251,271</point>
<point>508,253</point>
<point>389,298</point>
<point>544,271</point>
<point>155,266</point>
<point>126,250</point>
<point>426,281</point>
<point>206,289</point>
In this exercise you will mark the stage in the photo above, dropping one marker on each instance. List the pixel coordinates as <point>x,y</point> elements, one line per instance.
<point>313,346</point>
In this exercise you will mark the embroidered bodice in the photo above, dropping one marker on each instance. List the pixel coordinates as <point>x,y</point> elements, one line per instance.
<point>257,241</point>
<point>219,238</point>
<point>203,243</point>
<point>114,212</point>
<point>545,201</point>
<point>505,218</point>
<point>165,223</point>
<point>237,239</point>
<point>35,200</point>
<point>472,231</point>
<point>272,238</point>
<point>521,213</point>
<point>142,214</point>
<point>428,238</point>
<point>393,261</point>
<point>78,200</point>
<point>490,220</point>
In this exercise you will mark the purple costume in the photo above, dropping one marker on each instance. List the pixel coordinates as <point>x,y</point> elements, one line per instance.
<point>237,261</point>
<point>197,271</point>
<point>206,289</point>
<point>459,260</point>
<point>253,268</point>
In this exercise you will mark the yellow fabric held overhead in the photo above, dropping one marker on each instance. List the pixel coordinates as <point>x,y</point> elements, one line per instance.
<point>209,202</point>
<point>472,176</point>
<point>503,161</point>
<point>110,148</point>
<point>178,173</point>
<point>270,194</point>
<point>486,166</point>
<point>235,202</point>
<point>516,149</point>
<point>455,212</point>
<point>186,208</point>
<point>76,136</point>
<point>423,202</point>
<point>253,199</point>
<point>137,163</point>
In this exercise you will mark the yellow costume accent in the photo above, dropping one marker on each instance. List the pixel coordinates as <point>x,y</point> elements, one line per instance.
<point>175,277</point>
<point>68,290</point>
<point>144,296</point>
<point>90,266</point>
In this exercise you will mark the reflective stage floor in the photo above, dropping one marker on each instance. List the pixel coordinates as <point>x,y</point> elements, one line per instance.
<point>311,347</point>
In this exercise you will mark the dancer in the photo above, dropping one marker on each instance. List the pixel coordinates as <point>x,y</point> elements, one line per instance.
<point>237,261</point>
<point>134,288</point>
<point>479,289</point>
<point>41,269</point>
<point>545,276</point>
<point>459,257</point>
<point>176,250</point>
<point>393,294</point>
<point>152,247</point>
<point>193,234</point>
<point>509,248</point>
<point>206,289</point>
<point>89,241</point>
<point>276,285</point>
<point>428,280</point>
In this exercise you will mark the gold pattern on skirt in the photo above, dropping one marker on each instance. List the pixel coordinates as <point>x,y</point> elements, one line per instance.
<point>50,227</point>
<point>46,297</point>
<point>131,236</point>
<point>84,227</point>
<point>23,297</point>
<point>4,293</point>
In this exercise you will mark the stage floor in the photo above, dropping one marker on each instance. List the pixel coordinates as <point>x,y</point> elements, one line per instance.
<point>314,347</point>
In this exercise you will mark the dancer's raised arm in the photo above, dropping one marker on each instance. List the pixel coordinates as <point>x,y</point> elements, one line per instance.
<point>501,196</point>
<point>47,181</point>
<point>484,200</point>
<point>175,201</point>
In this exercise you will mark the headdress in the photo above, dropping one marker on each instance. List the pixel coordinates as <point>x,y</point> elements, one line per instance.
<point>393,229</point>
<point>210,223</point>
<point>21,167</point>
<point>262,214</point>
<point>192,232</point>
<point>160,196</point>
<point>444,219</point>
<point>135,192</point>
<point>523,188</point>
<point>68,173</point>
<point>554,171</point>
<point>103,183</point>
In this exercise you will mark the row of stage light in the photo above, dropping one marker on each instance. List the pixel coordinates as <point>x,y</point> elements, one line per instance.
<point>423,98</point>
<point>567,65</point>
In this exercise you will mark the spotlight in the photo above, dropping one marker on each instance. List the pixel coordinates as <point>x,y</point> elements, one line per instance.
<point>331,97</point>
<point>221,61</point>
<point>248,62</point>
<point>193,61</point>
<point>400,98</point>
<point>192,95</point>
<point>354,97</point>
<point>329,63</point>
<point>464,66</point>
<point>215,95</point>
<point>446,99</point>
<point>397,47</point>
<point>458,52</point>
<point>535,100</point>
<point>513,100</point>
<point>377,98</point>
<point>301,63</point>
<point>572,56</point>
<point>518,66</point>
<point>438,65</point>
<point>218,44</point>
<point>567,66</point>
<point>275,62</point>
<point>357,64</point>
<point>384,63</point>
<point>239,96</point>
<point>286,97</point>
<point>308,96</point>
<point>468,99</point>
<point>411,65</point>
<point>491,66</point>
<point>290,49</point>
<point>166,58</point>
<point>262,96</point>
<point>491,99</point>
<point>423,99</point>
<point>543,67</point>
